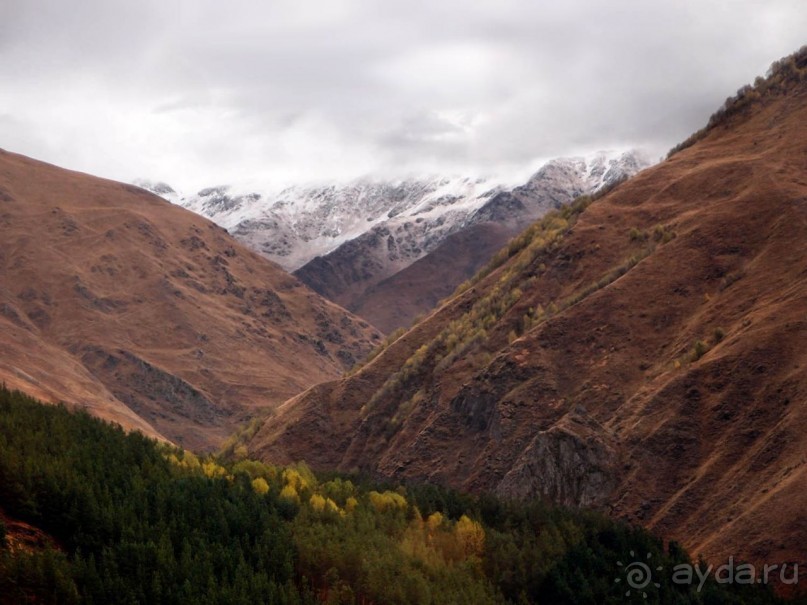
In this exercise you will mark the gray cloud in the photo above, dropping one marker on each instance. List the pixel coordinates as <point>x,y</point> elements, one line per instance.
<point>198,92</point>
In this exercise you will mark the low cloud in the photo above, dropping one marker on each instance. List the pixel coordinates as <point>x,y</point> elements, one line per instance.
<point>202,92</point>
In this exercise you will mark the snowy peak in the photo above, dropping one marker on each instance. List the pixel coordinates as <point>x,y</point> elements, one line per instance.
<point>164,190</point>
<point>590,173</point>
<point>291,226</point>
<point>558,182</point>
<point>296,224</point>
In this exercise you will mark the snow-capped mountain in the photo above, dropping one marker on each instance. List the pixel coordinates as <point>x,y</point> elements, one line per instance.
<point>294,225</point>
<point>403,266</point>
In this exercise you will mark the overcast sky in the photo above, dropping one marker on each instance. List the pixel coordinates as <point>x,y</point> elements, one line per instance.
<point>200,92</point>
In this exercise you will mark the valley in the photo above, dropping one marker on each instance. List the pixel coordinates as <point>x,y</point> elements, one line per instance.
<point>389,357</point>
<point>637,351</point>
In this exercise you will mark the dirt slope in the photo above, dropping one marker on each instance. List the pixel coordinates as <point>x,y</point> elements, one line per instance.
<point>417,289</point>
<point>113,299</point>
<point>645,355</point>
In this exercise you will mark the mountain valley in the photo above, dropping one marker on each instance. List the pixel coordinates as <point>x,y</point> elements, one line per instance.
<point>360,244</point>
<point>639,352</point>
<point>585,387</point>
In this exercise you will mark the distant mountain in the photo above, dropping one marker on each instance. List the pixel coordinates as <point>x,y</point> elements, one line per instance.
<point>401,268</point>
<point>643,353</point>
<point>296,224</point>
<point>150,315</point>
<point>345,241</point>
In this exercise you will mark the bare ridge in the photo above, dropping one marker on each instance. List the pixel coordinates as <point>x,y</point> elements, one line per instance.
<point>114,300</point>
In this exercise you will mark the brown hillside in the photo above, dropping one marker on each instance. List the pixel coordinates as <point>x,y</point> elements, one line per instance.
<point>417,289</point>
<point>113,299</point>
<point>644,354</point>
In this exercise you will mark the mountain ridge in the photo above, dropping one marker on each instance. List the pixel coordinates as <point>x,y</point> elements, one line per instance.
<point>638,353</point>
<point>323,217</point>
<point>349,242</point>
<point>149,315</point>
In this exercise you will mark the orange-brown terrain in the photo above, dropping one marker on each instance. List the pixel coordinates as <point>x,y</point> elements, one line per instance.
<point>417,289</point>
<point>21,536</point>
<point>115,300</point>
<point>644,354</point>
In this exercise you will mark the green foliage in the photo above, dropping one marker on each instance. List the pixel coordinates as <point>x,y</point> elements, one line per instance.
<point>137,527</point>
<point>140,522</point>
<point>36,577</point>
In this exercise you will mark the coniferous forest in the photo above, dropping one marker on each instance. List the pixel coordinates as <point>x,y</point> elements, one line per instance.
<point>131,521</point>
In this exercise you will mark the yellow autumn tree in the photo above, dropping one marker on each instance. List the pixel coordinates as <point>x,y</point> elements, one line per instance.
<point>387,501</point>
<point>184,459</point>
<point>434,521</point>
<point>213,470</point>
<point>290,494</point>
<point>299,478</point>
<point>260,485</point>
<point>317,503</point>
<point>471,536</point>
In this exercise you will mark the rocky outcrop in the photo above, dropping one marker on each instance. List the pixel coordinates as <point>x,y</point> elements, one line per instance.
<point>571,465</point>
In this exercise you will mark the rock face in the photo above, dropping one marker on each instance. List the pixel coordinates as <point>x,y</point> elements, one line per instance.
<point>644,354</point>
<point>149,315</point>
<point>571,467</point>
<point>352,243</point>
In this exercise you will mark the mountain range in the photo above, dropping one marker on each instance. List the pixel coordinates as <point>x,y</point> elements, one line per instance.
<point>639,351</point>
<point>360,244</point>
<point>633,345</point>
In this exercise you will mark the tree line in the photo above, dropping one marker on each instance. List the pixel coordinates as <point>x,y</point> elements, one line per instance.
<point>133,521</point>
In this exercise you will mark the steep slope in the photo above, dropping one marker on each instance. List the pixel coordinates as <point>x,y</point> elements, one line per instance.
<point>381,266</point>
<point>642,353</point>
<point>344,240</point>
<point>396,301</point>
<point>149,315</point>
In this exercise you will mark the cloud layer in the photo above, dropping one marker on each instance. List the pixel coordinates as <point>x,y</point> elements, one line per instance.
<point>203,92</point>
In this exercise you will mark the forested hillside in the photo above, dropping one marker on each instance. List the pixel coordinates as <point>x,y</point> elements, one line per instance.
<point>132,521</point>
